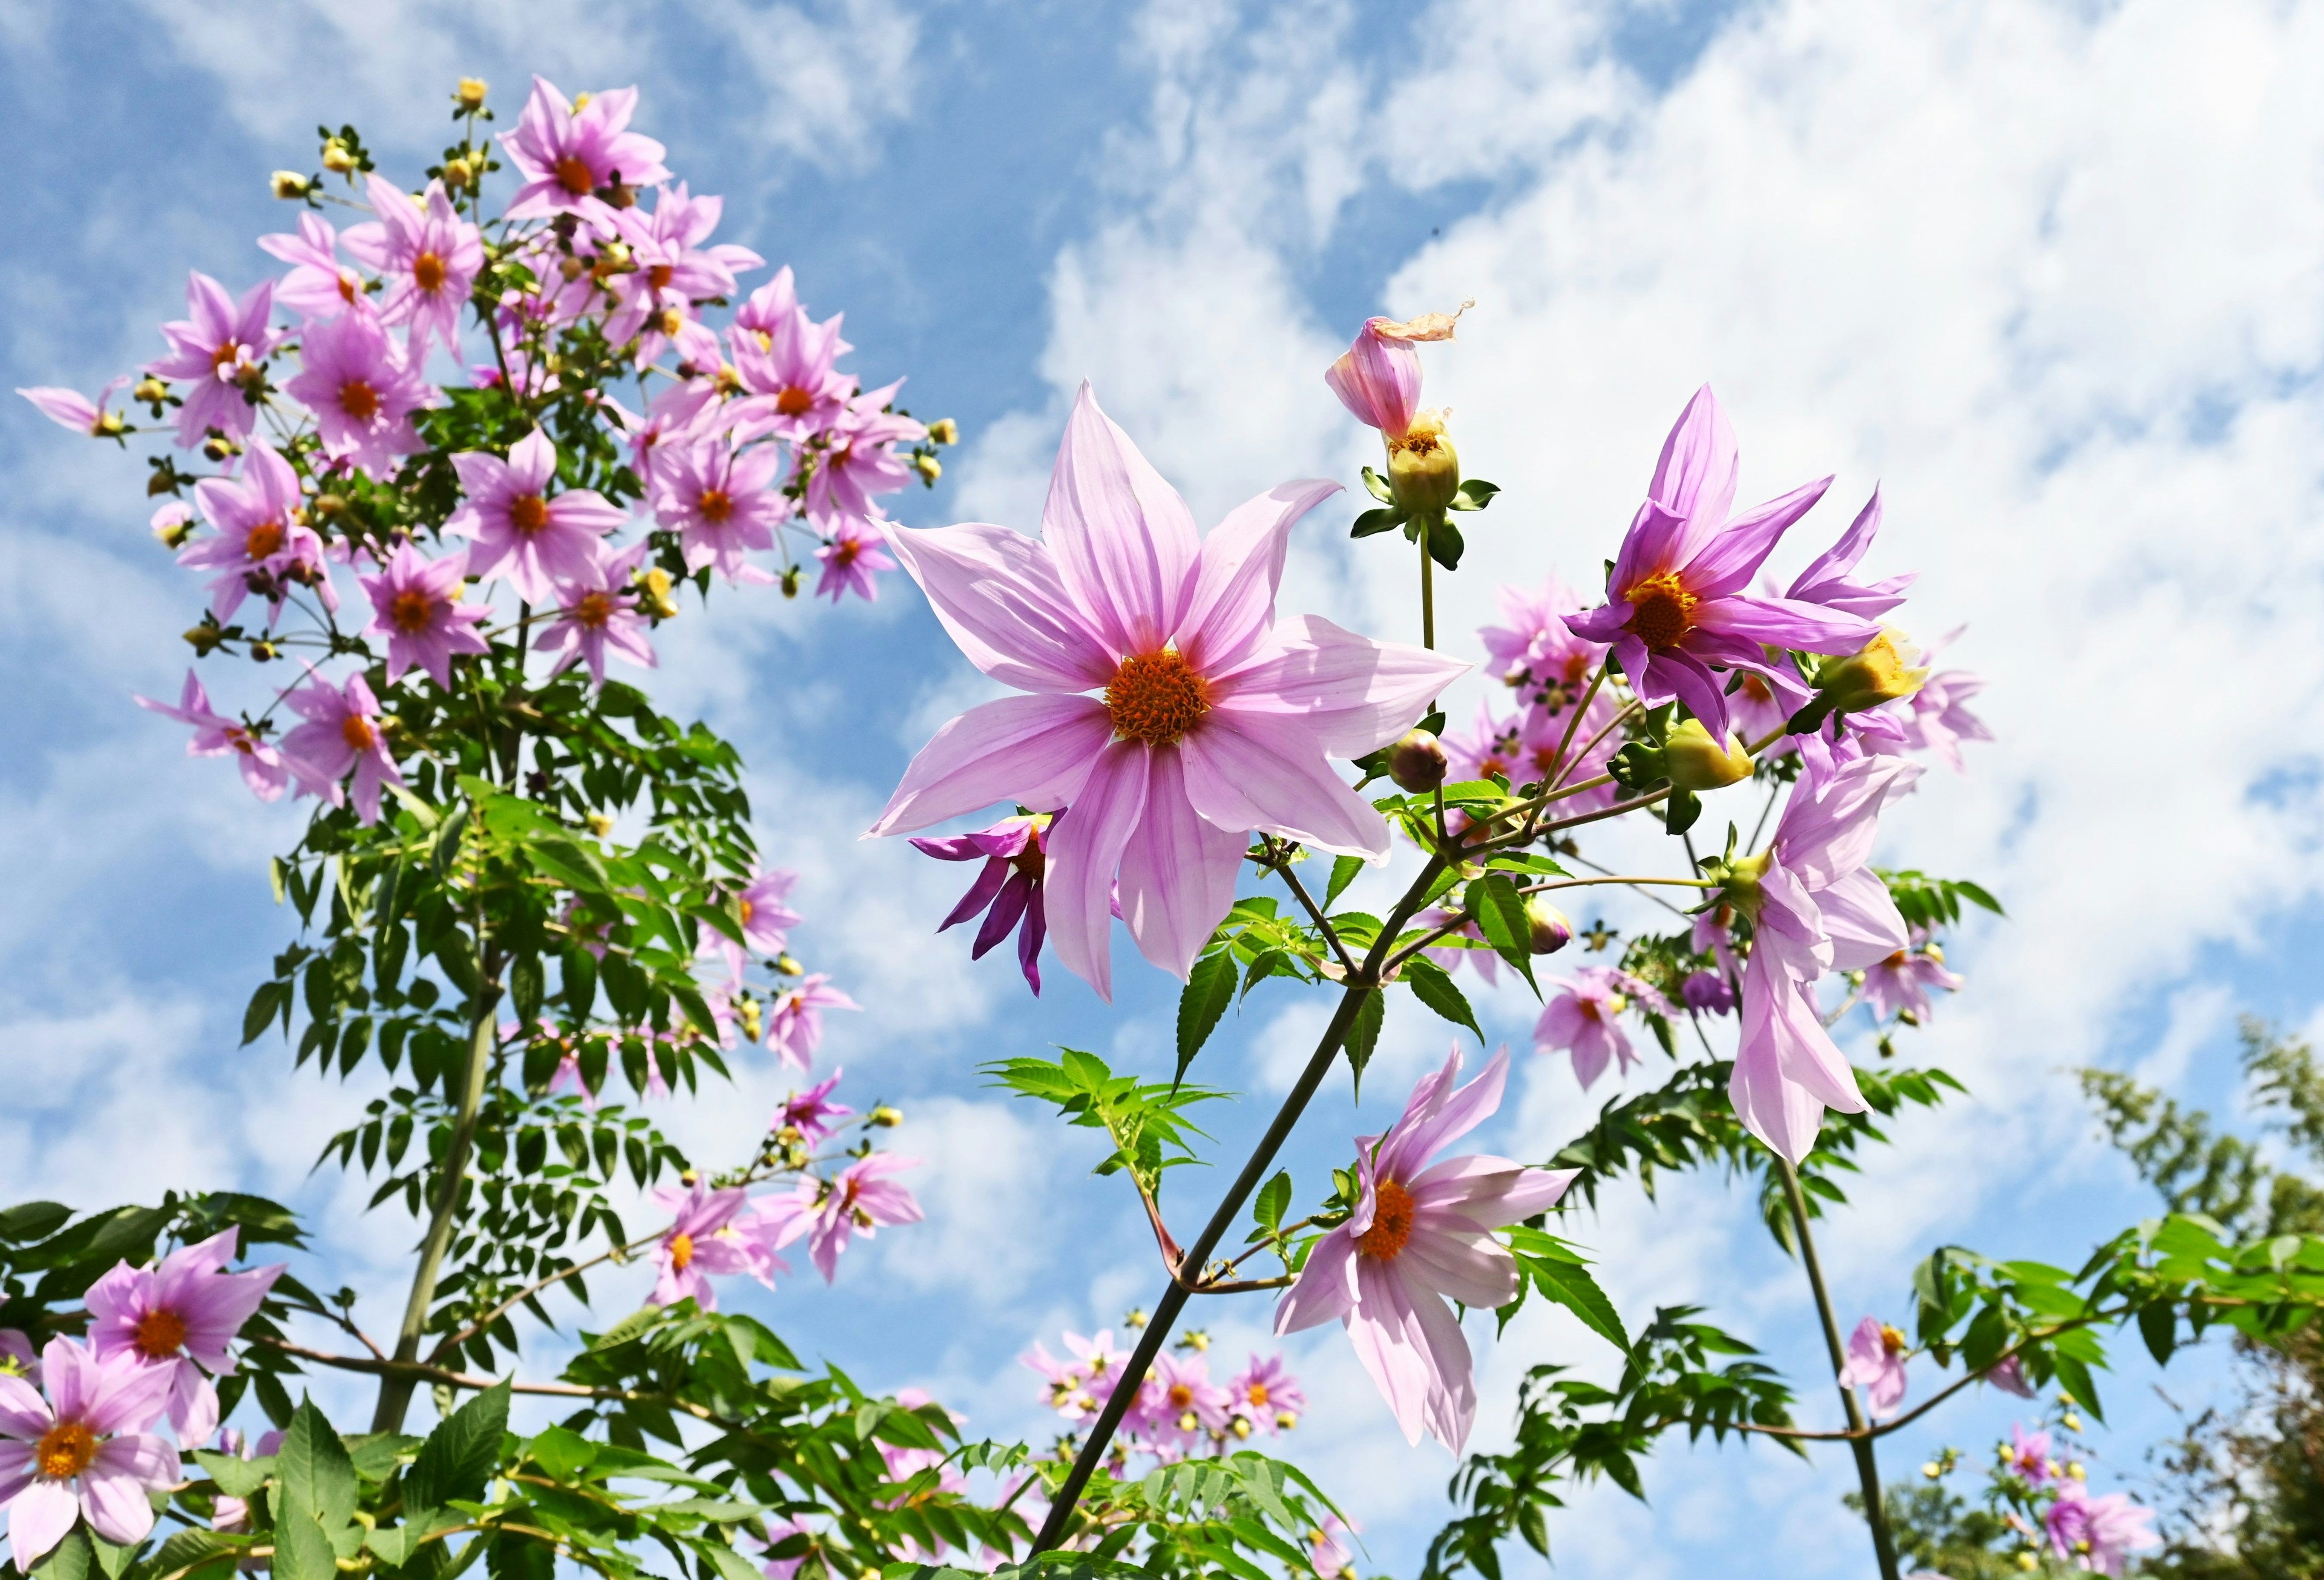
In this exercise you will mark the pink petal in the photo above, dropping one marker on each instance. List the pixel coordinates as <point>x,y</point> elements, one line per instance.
<point>1325,1288</point>
<point>1388,1339</point>
<point>1000,598</point>
<point>1177,871</point>
<point>1465,1267</point>
<point>1232,598</point>
<point>1378,381</point>
<point>1861,918</point>
<point>1122,539</point>
<point>1450,1115</point>
<point>1729,560</point>
<point>113,1488</point>
<point>1695,476</point>
<point>23,1413</point>
<point>39,1518</point>
<point>1350,694</point>
<point>1490,1192</point>
<point>1242,775</point>
<point>1033,750</point>
<point>1452,1397</point>
<point>1084,851</point>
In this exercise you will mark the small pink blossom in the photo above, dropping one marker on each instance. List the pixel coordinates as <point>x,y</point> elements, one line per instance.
<point>1586,1018</point>
<point>858,461</point>
<point>566,156</point>
<point>415,605</point>
<point>216,735</point>
<point>2029,1457</point>
<point>429,257</point>
<point>602,620</point>
<point>1265,1394</point>
<point>261,542</point>
<point>857,1201</point>
<point>1179,1402</point>
<point>850,559</point>
<point>765,917</point>
<point>671,267</point>
<point>1007,887</point>
<point>1900,982</point>
<point>795,1019</point>
<point>83,1450</point>
<point>714,1233</point>
<point>180,1316</point>
<point>1535,655</point>
<point>71,408</point>
<point>318,285</point>
<point>720,502</point>
<point>2097,1534</point>
<point>345,732</point>
<point>672,420</point>
<point>1875,1364</point>
<point>2010,1377</point>
<point>810,1112</point>
<point>221,350</point>
<point>536,541</point>
<point>1328,1550</point>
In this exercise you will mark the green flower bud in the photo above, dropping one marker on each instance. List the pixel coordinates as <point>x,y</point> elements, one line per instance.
<point>1880,673</point>
<point>288,184</point>
<point>1424,470</point>
<point>944,431</point>
<point>1416,762</point>
<point>1692,760</point>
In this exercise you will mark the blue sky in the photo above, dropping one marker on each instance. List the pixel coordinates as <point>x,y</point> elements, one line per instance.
<point>2049,273</point>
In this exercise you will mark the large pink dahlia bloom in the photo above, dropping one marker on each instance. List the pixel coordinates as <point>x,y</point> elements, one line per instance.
<point>1212,721</point>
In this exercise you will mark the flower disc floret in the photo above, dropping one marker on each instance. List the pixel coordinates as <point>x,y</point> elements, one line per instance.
<point>1391,1224</point>
<point>1155,698</point>
<point>161,1334</point>
<point>66,1449</point>
<point>1662,611</point>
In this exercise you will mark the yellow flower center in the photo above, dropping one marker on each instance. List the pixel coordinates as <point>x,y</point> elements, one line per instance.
<point>1662,611</point>
<point>1392,1223</point>
<point>358,400</point>
<point>356,732</point>
<point>594,611</point>
<point>265,539</point>
<point>428,273</point>
<point>160,1335</point>
<point>527,513</point>
<point>411,610</point>
<point>66,1449</point>
<point>228,352</point>
<point>1181,1396</point>
<point>1893,1341</point>
<point>747,909</point>
<point>681,1251</point>
<point>714,505</point>
<point>573,174</point>
<point>1157,698</point>
<point>1256,1394</point>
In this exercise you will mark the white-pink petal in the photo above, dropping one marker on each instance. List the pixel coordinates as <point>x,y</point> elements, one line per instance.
<point>1240,774</point>
<point>1083,851</point>
<point>1037,750</point>
<point>1124,543</point>
<point>998,596</point>
<point>1232,603</point>
<point>1177,871</point>
<point>1347,692</point>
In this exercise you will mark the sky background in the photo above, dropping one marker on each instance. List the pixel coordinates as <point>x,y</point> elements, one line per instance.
<point>2053,274</point>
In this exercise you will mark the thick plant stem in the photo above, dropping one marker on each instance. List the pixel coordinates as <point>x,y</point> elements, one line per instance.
<point>1868,1468</point>
<point>395,1390</point>
<point>1198,1255</point>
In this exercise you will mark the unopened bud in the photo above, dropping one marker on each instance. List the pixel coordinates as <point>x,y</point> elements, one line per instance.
<point>944,431</point>
<point>600,824</point>
<point>204,638</point>
<point>173,523</point>
<point>151,391</point>
<point>885,1117</point>
<point>2077,1470</point>
<point>2070,1421</point>
<point>337,159</point>
<point>688,1177</point>
<point>1240,1426</point>
<point>1932,1470</point>
<point>1416,762</point>
<point>1693,761</point>
<point>657,584</point>
<point>330,506</point>
<point>791,582</point>
<point>470,93</point>
<point>1935,951</point>
<point>1286,1420</point>
<point>458,173</point>
<point>1188,1422</point>
<point>287,184</point>
<point>927,467</point>
<point>108,423</point>
<point>2029,1560</point>
<point>1551,930</point>
<point>621,195</point>
<point>1134,1318</point>
<point>571,268</point>
<point>218,447</point>
<point>786,966</point>
<point>1881,672</point>
<point>1423,471</point>
<point>1195,1339</point>
<point>262,651</point>
<point>580,102</point>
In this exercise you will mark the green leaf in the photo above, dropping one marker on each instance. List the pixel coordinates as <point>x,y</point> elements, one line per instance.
<point>1266,1206</point>
<point>302,1551</point>
<point>67,1560</point>
<point>1474,494</point>
<point>1434,986</point>
<point>317,1475</point>
<point>1500,911</point>
<point>1344,873</point>
<point>237,1477</point>
<point>1363,1033</point>
<point>526,985</point>
<point>460,1455</point>
<point>1373,522</point>
<point>1377,486</point>
<point>1210,989</point>
<point>1571,1286</point>
<point>1445,545</point>
<point>2158,1324</point>
<point>269,1000</point>
<point>33,1220</point>
<point>2075,1376</point>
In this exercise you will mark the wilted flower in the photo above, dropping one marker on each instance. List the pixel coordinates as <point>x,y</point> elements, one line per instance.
<point>1007,890</point>
<point>216,735</point>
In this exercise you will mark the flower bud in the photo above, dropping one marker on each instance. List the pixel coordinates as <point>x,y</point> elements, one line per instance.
<point>927,467</point>
<point>173,523</point>
<point>1423,471</point>
<point>1286,1422</point>
<point>944,431</point>
<point>1707,992</point>
<point>787,967</point>
<point>458,172</point>
<point>337,159</point>
<point>287,184</point>
<point>1693,761</point>
<point>330,507</point>
<point>885,1117</point>
<point>2077,1470</point>
<point>470,93</point>
<point>1741,881</point>
<point>1932,1470</point>
<point>1550,928</point>
<point>218,447</point>
<point>260,652</point>
<point>2029,1560</point>
<point>1416,762</point>
<point>1135,1318</point>
<point>791,582</point>
<point>571,268</point>
<point>600,824</point>
<point>1194,1339</point>
<point>2070,1421</point>
<point>1240,1426</point>
<point>658,598</point>
<point>151,391</point>
<point>1881,673</point>
<point>204,638</point>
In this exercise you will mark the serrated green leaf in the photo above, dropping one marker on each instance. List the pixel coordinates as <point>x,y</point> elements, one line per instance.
<point>1434,986</point>
<point>1210,989</point>
<point>1571,1286</point>
<point>1344,873</point>
<point>1363,1033</point>
<point>460,1455</point>
<point>315,1474</point>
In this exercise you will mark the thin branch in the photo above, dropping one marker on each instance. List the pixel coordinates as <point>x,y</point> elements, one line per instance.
<point>1282,867</point>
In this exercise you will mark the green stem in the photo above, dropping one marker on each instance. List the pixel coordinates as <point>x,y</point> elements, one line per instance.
<point>1867,1467</point>
<point>1428,590</point>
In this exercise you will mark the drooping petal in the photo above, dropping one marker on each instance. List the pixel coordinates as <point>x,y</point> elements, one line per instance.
<point>1084,852</point>
<point>1240,778</point>
<point>1861,919</point>
<point>998,593</point>
<point>1325,1288</point>
<point>1351,694</point>
<point>1123,540</point>
<point>1390,1342</point>
<point>1451,1406</point>
<point>1032,749</point>
<point>1177,871</point>
<point>1237,572</point>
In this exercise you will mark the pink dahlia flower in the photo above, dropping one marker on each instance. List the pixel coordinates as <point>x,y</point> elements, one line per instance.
<point>786,366</point>
<point>857,1201</point>
<point>2097,1534</point>
<point>1421,1234</point>
<point>216,735</point>
<point>71,408</point>
<point>602,620</point>
<point>1901,982</point>
<point>429,257</point>
<point>1936,718</point>
<point>766,920</point>
<point>851,558</point>
<point>567,155</point>
<point>860,462</point>
<point>721,503</point>
<point>2029,1457</point>
<point>537,541</point>
<point>2010,1377</point>
<point>795,1019</point>
<point>318,285</point>
<point>1007,890</point>
<point>1179,1402</point>
<point>811,1112</point>
<point>1213,719</point>
<point>712,1233</point>
<point>1536,654</point>
<point>1586,1019</point>
<point>344,734</point>
<point>672,268</point>
<point>415,606</point>
<point>222,351</point>
<point>1819,908</point>
<point>672,420</point>
<point>83,1450</point>
<point>260,543</point>
<point>1328,1550</point>
<point>180,1316</point>
<point>1265,1394</point>
<point>1875,1364</point>
<point>1677,611</point>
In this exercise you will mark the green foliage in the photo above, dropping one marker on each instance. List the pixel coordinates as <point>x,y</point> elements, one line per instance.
<point>1145,1120</point>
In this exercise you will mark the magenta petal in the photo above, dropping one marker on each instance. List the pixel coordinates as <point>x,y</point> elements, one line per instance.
<point>1083,852</point>
<point>1007,907</point>
<point>1034,750</point>
<point>1177,871</point>
<point>1124,543</point>
<point>1351,694</point>
<point>980,893</point>
<point>1695,475</point>
<point>1731,559</point>
<point>1236,574</point>
<point>1242,775</point>
<point>1029,940</point>
<point>1861,919</point>
<point>1000,598</point>
<point>1779,622</point>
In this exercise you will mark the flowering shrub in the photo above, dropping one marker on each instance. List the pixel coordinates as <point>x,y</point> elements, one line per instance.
<point>466,456</point>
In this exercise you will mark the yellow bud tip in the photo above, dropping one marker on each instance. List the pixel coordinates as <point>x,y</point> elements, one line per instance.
<point>1696,762</point>
<point>288,184</point>
<point>580,103</point>
<point>1881,672</point>
<point>149,390</point>
<point>1932,1470</point>
<point>927,467</point>
<point>470,93</point>
<point>600,824</point>
<point>337,159</point>
<point>1424,470</point>
<point>944,431</point>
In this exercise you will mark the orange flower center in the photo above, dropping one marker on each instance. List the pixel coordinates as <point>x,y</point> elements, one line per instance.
<point>594,611</point>
<point>1392,1223</point>
<point>1662,611</point>
<point>356,732</point>
<point>1895,961</point>
<point>1256,1394</point>
<point>1157,698</point>
<point>681,1251</point>
<point>428,273</point>
<point>66,1450</point>
<point>229,351</point>
<point>348,286</point>
<point>714,505</point>
<point>1030,861</point>
<point>411,610</point>
<point>747,910</point>
<point>529,513</point>
<point>1181,1396</point>
<point>1757,689</point>
<point>1892,1341</point>
<point>793,401</point>
<point>659,276</point>
<point>573,174</point>
<point>843,552</point>
<point>358,400</point>
<point>160,1334</point>
<point>264,541</point>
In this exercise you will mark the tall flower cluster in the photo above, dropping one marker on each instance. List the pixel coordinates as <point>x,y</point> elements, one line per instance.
<point>1179,1411</point>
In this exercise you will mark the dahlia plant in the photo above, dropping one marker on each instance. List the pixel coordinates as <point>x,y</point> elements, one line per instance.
<point>443,480</point>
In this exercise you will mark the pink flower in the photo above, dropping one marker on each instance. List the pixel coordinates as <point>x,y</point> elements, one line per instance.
<point>2029,1456</point>
<point>83,1450</point>
<point>1828,581</point>
<point>784,359</point>
<point>779,1531</point>
<point>222,349</point>
<point>1378,379</point>
<point>857,1201</point>
<point>1936,718</point>
<point>809,1113</point>
<point>414,606</point>
<point>1214,721</point>
<point>343,732</point>
<point>1484,962</point>
<point>1587,1018</point>
<point>718,501</point>
<point>712,1233</point>
<point>764,918</point>
<point>1677,611</point>
<point>1537,655</point>
<point>77,412</point>
<point>261,544</point>
<point>1708,992</point>
<point>1178,1402</point>
<point>318,285</point>
<point>1488,746</point>
<point>858,462</point>
<point>1007,890</point>
<point>2010,1376</point>
<point>1328,1549</point>
<point>795,1019</point>
<point>849,558</point>
<point>1265,1394</point>
<point>602,620</point>
<point>429,257</point>
<point>1064,1393</point>
<point>1099,1364</point>
<point>1815,907</point>
<point>1419,1235</point>
<point>524,534</point>
<point>567,155</point>
<point>1900,983</point>
<point>216,735</point>
<point>1875,1364</point>
<point>672,269</point>
<point>673,419</point>
<point>2098,1533</point>
<point>183,1311</point>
